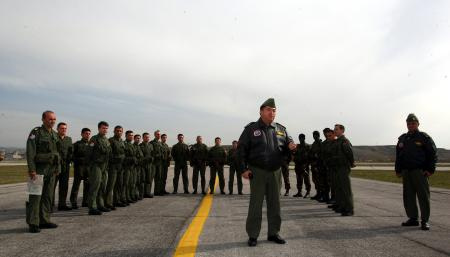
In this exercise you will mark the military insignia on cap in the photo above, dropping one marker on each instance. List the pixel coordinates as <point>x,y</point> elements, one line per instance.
<point>32,136</point>
<point>257,133</point>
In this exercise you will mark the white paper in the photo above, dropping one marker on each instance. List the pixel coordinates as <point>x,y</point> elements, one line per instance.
<point>34,187</point>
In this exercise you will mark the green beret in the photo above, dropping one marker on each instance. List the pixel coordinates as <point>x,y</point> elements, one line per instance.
<point>269,102</point>
<point>412,117</point>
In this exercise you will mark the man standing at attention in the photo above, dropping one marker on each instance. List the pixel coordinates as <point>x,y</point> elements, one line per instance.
<point>65,149</point>
<point>262,147</point>
<point>199,157</point>
<point>232,161</point>
<point>180,154</point>
<point>415,162</point>
<point>166,158</point>
<point>217,156</point>
<point>42,159</point>
<point>81,155</point>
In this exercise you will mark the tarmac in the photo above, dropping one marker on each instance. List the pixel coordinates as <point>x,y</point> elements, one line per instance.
<point>153,227</point>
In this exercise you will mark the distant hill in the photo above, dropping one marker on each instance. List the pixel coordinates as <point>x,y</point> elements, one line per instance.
<point>380,153</point>
<point>386,153</point>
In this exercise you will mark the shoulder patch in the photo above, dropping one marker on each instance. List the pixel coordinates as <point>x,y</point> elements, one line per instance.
<point>425,135</point>
<point>251,123</point>
<point>280,125</point>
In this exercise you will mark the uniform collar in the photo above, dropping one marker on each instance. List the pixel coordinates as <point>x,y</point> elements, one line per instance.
<point>263,125</point>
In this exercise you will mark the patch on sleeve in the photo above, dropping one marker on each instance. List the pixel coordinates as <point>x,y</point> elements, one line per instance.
<point>32,136</point>
<point>257,133</point>
<point>400,145</point>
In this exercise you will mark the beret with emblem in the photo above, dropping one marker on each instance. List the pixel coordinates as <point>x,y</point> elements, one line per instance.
<point>412,117</point>
<point>269,102</point>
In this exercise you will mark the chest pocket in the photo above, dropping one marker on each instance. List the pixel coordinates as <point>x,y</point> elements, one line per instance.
<point>43,145</point>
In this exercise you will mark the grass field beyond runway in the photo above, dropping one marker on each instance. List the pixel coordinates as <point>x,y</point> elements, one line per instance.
<point>16,174</point>
<point>439,179</point>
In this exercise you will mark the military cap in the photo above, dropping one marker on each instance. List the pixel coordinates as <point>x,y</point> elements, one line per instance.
<point>269,102</point>
<point>412,117</point>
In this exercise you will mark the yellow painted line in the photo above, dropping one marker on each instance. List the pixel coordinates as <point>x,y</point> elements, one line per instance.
<point>188,243</point>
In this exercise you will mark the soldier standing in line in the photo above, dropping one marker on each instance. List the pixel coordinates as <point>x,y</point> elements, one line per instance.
<point>166,158</point>
<point>344,161</point>
<point>157,164</point>
<point>42,159</point>
<point>233,162</point>
<point>315,162</point>
<point>180,154</point>
<point>65,149</point>
<point>139,192</point>
<point>149,174</point>
<point>98,174</point>
<point>128,167</point>
<point>81,155</point>
<point>115,173</point>
<point>199,157</point>
<point>217,156</point>
<point>301,160</point>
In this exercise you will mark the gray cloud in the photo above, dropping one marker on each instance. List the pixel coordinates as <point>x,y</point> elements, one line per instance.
<point>203,67</point>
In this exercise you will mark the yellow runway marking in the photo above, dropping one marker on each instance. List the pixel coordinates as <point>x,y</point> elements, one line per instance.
<point>188,243</point>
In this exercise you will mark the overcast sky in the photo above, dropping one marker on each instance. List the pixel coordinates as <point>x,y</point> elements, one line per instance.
<point>204,67</point>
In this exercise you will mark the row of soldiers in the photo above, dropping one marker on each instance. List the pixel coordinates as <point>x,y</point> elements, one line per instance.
<point>329,162</point>
<point>118,172</point>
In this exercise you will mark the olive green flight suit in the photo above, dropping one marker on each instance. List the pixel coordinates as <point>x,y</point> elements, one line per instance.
<point>98,175</point>
<point>42,157</point>
<point>180,154</point>
<point>81,157</point>
<point>115,172</point>
<point>65,149</point>
<point>217,157</point>
<point>157,166</point>
<point>149,172</point>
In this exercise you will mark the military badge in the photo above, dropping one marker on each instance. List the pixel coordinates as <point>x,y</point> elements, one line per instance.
<point>257,133</point>
<point>280,133</point>
<point>418,143</point>
<point>32,136</point>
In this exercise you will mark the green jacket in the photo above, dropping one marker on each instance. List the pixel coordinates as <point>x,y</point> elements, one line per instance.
<point>81,152</point>
<point>100,149</point>
<point>180,153</point>
<point>139,154</point>
<point>232,159</point>
<point>42,153</point>
<point>147,151</point>
<point>157,151</point>
<point>130,154</point>
<point>301,154</point>
<point>117,150</point>
<point>343,153</point>
<point>314,152</point>
<point>198,154</point>
<point>327,152</point>
<point>65,149</point>
<point>217,156</point>
<point>166,157</point>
